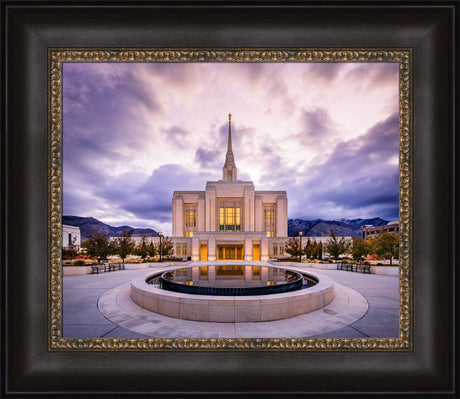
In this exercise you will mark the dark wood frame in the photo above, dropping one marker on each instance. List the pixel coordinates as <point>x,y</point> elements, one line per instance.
<point>29,28</point>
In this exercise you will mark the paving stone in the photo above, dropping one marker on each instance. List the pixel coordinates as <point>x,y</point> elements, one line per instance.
<point>83,318</point>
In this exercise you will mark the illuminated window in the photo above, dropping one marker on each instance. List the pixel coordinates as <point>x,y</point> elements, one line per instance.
<point>189,234</point>
<point>221,219</point>
<point>229,218</point>
<point>275,250</point>
<point>229,176</point>
<point>181,249</point>
<point>190,217</point>
<point>269,221</point>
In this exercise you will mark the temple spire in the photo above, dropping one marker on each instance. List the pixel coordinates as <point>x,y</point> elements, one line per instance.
<point>229,144</point>
<point>229,170</point>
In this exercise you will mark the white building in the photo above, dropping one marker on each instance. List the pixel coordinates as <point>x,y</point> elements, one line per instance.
<point>69,233</point>
<point>229,219</point>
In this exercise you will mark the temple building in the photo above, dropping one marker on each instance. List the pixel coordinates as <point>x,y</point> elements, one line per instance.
<point>229,220</point>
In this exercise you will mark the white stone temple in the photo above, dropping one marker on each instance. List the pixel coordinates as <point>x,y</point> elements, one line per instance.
<point>229,220</point>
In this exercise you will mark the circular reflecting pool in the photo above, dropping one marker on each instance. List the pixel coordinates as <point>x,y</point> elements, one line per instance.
<point>232,280</point>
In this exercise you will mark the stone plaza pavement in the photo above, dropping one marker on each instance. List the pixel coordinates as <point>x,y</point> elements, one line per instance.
<point>98,306</point>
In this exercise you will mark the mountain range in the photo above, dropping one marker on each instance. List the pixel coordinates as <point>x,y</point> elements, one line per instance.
<point>322,228</point>
<point>87,224</point>
<point>309,228</point>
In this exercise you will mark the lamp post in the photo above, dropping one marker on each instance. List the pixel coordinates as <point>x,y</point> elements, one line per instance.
<point>160,234</point>
<point>300,235</point>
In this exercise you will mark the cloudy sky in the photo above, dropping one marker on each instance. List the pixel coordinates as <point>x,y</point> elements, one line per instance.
<point>327,133</point>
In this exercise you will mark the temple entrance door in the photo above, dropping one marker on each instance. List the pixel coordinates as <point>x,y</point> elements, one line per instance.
<point>229,252</point>
<point>256,252</point>
<point>204,252</point>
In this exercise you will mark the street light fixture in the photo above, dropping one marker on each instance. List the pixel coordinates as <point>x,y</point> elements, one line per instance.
<point>160,234</point>
<point>300,235</point>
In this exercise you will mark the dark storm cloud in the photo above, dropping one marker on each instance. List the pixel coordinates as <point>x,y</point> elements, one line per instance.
<point>75,204</point>
<point>99,110</point>
<point>100,91</point>
<point>359,173</point>
<point>152,198</point>
<point>99,107</point>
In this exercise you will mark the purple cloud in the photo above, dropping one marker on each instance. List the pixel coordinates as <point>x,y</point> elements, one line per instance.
<point>325,72</point>
<point>121,121</point>
<point>317,123</point>
<point>369,76</point>
<point>358,173</point>
<point>207,158</point>
<point>150,197</point>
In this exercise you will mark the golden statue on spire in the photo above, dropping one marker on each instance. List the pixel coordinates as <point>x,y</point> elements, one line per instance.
<point>229,118</point>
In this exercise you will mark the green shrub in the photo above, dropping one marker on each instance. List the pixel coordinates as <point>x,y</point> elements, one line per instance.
<point>79,262</point>
<point>366,263</point>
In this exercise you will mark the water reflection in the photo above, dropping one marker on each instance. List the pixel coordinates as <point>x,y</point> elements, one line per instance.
<point>231,276</point>
<point>232,280</point>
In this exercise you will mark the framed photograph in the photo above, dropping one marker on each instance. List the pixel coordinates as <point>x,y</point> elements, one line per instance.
<point>206,153</point>
<point>239,236</point>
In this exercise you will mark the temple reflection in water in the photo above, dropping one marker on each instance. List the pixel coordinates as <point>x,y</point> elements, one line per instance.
<point>230,276</point>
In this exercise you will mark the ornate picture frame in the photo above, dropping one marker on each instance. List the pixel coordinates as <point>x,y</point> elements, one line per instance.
<point>401,56</point>
<point>36,360</point>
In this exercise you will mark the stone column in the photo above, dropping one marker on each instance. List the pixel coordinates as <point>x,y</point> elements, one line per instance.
<point>212,249</point>
<point>211,221</point>
<point>258,214</point>
<point>264,249</point>
<point>178,217</point>
<point>201,217</point>
<point>248,209</point>
<point>281,216</point>
<point>247,248</point>
<point>195,248</point>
